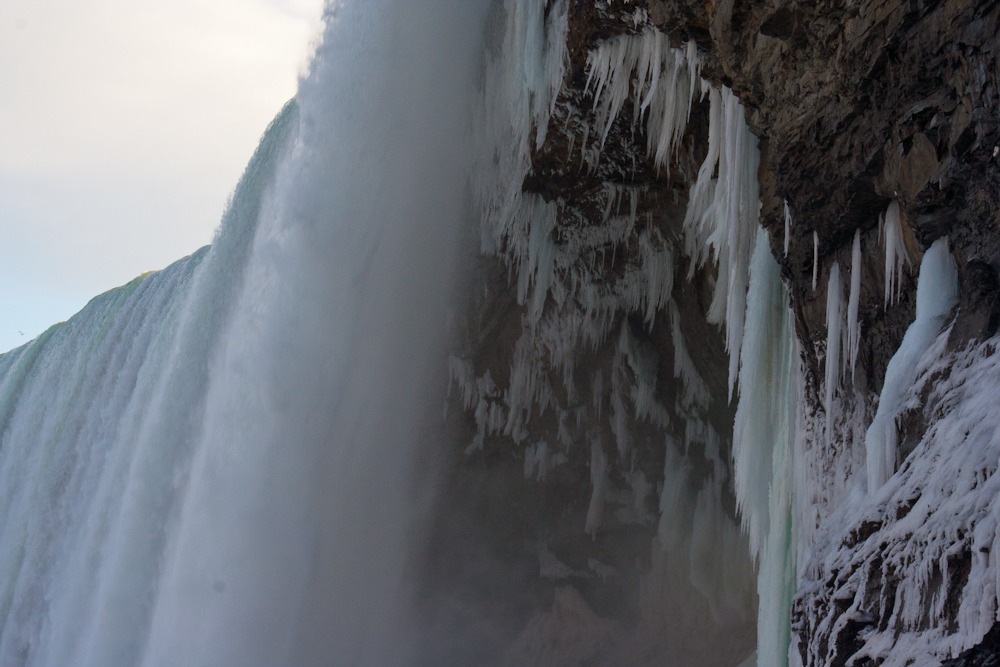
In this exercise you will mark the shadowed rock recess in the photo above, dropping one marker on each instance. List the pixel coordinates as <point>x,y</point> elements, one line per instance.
<point>628,484</point>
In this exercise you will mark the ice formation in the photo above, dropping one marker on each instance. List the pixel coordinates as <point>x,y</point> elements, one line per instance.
<point>577,305</point>
<point>764,440</point>
<point>834,330</point>
<point>663,86</point>
<point>895,251</point>
<point>788,227</point>
<point>815,259</point>
<point>937,293</point>
<point>853,303</point>
<point>722,215</point>
<point>937,535</point>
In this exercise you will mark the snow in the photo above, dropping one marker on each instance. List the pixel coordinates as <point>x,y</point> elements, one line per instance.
<point>936,517</point>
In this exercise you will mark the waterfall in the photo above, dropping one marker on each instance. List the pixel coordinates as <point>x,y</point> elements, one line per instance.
<point>217,463</point>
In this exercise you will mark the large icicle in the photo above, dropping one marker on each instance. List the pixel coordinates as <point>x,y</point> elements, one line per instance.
<point>853,327</point>
<point>834,322</point>
<point>937,293</point>
<point>723,215</point>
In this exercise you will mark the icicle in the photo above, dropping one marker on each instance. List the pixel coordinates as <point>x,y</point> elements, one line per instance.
<point>815,259</point>
<point>661,90</point>
<point>937,292</point>
<point>788,227</point>
<point>674,499</point>
<point>658,267</point>
<point>853,327</point>
<point>598,479</point>
<point>895,253</point>
<point>724,216</point>
<point>834,320</point>
<point>695,392</point>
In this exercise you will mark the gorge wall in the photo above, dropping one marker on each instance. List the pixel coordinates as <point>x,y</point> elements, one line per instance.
<point>578,408</point>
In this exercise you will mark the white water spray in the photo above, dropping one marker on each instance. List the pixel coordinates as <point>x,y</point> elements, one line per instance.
<point>215,466</point>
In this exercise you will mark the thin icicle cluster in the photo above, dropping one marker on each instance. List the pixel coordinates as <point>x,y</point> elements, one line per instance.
<point>659,79</point>
<point>521,86</point>
<point>895,251</point>
<point>723,214</point>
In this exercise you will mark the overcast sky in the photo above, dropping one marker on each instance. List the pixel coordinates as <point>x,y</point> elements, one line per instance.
<point>124,126</point>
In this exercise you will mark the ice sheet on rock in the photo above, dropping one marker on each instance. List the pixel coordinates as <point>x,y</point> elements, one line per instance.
<point>937,293</point>
<point>936,518</point>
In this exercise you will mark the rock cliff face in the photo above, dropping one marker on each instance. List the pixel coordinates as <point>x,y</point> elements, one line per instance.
<point>591,371</point>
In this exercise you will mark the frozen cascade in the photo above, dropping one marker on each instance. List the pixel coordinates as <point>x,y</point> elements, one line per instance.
<point>937,293</point>
<point>664,86</point>
<point>186,504</point>
<point>764,443</point>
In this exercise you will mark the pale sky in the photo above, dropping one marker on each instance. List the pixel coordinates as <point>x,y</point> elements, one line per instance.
<point>124,127</point>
